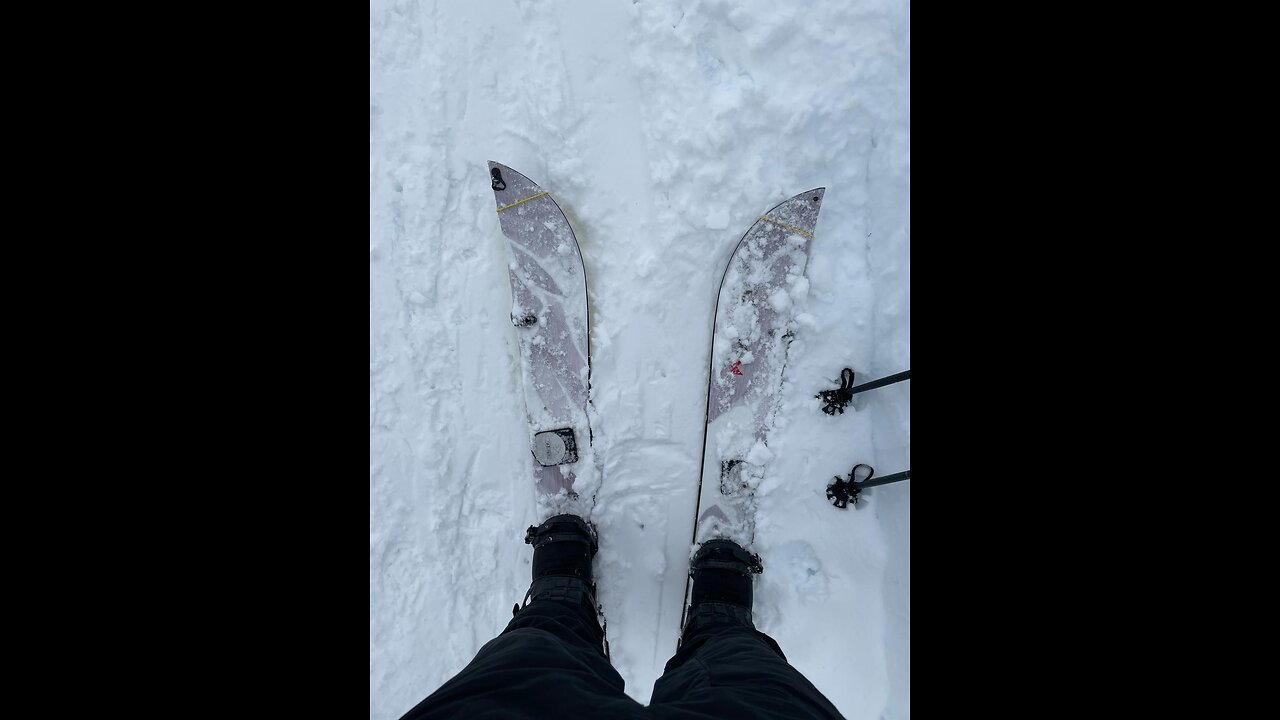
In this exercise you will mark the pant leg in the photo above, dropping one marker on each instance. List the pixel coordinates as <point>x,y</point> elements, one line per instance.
<point>548,662</point>
<point>725,668</point>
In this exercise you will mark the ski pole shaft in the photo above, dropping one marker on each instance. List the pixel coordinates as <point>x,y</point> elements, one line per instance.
<point>899,377</point>
<point>904,475</point>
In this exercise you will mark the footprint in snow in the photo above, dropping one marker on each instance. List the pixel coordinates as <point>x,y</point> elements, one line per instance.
<point>796,568</point>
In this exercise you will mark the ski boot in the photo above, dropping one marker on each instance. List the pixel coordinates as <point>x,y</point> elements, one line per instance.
<point>563,547</point>
<point>722,593</point>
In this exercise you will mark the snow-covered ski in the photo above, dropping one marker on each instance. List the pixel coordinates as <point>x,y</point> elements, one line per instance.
<point>549,311</point>
<point>754,325</point>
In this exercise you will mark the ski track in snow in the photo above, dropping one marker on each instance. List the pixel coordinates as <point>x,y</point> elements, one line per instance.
<point>663,129</point>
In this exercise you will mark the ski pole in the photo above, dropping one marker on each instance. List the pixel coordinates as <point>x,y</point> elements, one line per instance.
<point>875,481</point>
<point>899,377</point>
<point>841,492</point>
<point>835,401</point>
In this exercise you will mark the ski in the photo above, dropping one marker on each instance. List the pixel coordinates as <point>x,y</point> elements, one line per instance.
<point>552,324</point>
<point>753,327</point>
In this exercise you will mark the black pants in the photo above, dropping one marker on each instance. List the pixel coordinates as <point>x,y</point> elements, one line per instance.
<point>549,663</point>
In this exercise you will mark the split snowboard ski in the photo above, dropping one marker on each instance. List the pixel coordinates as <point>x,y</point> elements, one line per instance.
<point>549,311</point>
<point>754,326</point>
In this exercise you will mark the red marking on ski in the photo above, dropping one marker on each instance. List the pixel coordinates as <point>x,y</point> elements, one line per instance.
<point>735,367</point>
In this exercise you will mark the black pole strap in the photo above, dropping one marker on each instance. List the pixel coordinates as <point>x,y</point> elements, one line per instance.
<point>841,492</point>
<point>835,401</point>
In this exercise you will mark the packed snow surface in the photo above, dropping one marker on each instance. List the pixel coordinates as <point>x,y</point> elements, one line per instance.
<point>663,129</point>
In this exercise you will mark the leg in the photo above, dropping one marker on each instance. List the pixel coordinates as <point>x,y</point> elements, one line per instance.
<point>549,661</point>
<point>725,668</point>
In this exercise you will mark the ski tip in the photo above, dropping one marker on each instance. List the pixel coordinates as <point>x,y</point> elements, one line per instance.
<point>497,170</point>
<point>799,213</point>
<point>508,184</point>
<point>506,170</point>
<point>808,197</point>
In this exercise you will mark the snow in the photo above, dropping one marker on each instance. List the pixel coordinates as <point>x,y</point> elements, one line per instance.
<point>664,130</point>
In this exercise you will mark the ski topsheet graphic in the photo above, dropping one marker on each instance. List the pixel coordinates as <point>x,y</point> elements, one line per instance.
<point>754,325</point>
<point>549,312</point>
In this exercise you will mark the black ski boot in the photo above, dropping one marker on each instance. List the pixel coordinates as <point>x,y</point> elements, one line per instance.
<point>563,547</point>
<point>721,571</point>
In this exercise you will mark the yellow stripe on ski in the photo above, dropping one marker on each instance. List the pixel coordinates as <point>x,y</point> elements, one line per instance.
<point>792,228</point>
<point>531,197</point>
